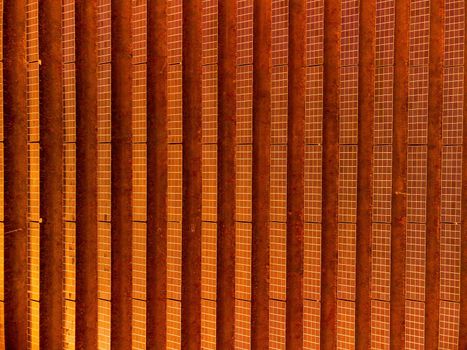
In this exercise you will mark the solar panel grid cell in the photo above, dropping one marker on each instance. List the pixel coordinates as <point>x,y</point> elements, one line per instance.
<point>312,265</point>
<point>314,105</point>
<point>279,32</point>
<point>68,31</point>
<point>173,324</point>
<point>32,30</point>
<point>208,264</point>
<point>139,103</point>
<point>174,31</point>
<point>69,262</point>
<point>383,105</point>
<point>313,182</point>
<point>454,33</point>
<point>103,31</point>
<point>381,262</point>
<point>139,265</point>
<point>385,12</point>
<point>139,30</point>
<point>311,315</point>
<point>314,32</point>
<point>2,325</point>
<point>209,24</point>
<point>139,324</point>
<point>380,337</point>
<point>139,182</point>
<point>174,103</point>
<point>69,315</point>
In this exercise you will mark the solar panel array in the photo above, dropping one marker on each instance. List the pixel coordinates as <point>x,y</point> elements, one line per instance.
<point>417,150</point>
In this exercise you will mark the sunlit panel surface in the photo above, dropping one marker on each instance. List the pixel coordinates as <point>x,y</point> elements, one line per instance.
<point>451,134</point>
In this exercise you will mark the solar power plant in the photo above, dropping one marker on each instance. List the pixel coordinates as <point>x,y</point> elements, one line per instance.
<point>233,174</point>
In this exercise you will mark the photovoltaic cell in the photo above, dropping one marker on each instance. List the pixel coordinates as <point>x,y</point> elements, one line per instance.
<point>382,181</point>
<point>419,32</point>
<point>280,15</point>
<point>174,103</point>
<point>385,15</point>
<point>383,105</point>
<point>244,96</point>
<point>103,31</point>
<point>349,35</point>
<point>314,32</point>
<point>276,324</point>
<point>414,325</point>
<point>68,31</point>
<point>415,263</point>
<point>174,261</point>
<point>209,104</point>
<point>345,324</point>
<point>416,184</point>
<point>139,181</point>
<point>139,324</point>
<point>69,318</point>
<point>174,31</point>
<point>174,191</point>
<point>450,251</point>
<point>454,33</point>
<point>242,324</point>
<point>347,183</point>
<point>209,182</point>
<point>381,262</point>
<point>449,325</point>
<point>244,182</point>
<point>209,264</point>
<point>313,183</point>
<point>103,261</point>
<point>139,88</point>
<point>244,32</point>
<point>2,325</point>
<point>453,93</point>
<point>243,261</point>
<point>209,30</point>
<point>32,30</point>
<point>346,262</point>
<point>33,325</point>
<point>418,105</point>
<point>69,261</point>
<point>208,324</point>
<point>279,105</point>
<point>380,333</point>
<point>348,106</point>
<point>312,264</point>
<point>139,263</point>
<point>138,31</point>
<point>69,182</point>
<point>278,183</point>
<point>311,324</point>
<point>277,258</point>
<point>451,184</point>
<point>103,318</point>
<point>314,105</point>
<point>173,324</point>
